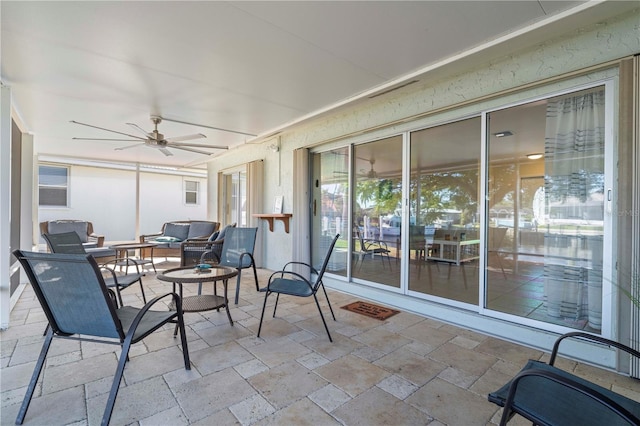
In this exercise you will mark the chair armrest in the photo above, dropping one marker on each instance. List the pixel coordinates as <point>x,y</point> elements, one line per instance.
<point>98,239</point>
<point>311,268</point>
<point>541,413</point>
<point>121,261</point>
<point>593,338</point>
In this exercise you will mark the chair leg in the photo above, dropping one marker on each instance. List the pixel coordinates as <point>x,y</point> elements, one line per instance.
<point>328,303</point>
<point>255,275</point>
<point>34,378</point>
<point>117,378</point>
<point>144,298</point>
<point>238,285</point>
<point>183,338</point>
<point>276,305</point>
<point>118,294</point>
<point>322,317</point>
<point>264,305</point>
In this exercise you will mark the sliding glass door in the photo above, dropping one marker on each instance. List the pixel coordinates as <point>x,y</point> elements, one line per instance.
<point>444,237</point>
<point>546,210</point>
<point>519,233</point>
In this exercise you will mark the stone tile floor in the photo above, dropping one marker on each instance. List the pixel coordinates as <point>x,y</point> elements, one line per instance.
<point>406,370</point>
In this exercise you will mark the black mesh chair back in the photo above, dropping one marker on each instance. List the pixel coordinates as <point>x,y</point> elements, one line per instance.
<point>70,243</point>
<point>78,305</point>
<point>65,242</point>
<point>237,252</point>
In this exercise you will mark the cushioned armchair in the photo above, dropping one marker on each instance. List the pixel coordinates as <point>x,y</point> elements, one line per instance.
<point>169,239</point>
<point>83,228</point>
<point>192,250</point>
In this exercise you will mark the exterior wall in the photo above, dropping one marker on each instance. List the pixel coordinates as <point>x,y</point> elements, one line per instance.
<point>162,200</point>
<point>453,92</point>
<point>604,42</point>
<point>107,198</point>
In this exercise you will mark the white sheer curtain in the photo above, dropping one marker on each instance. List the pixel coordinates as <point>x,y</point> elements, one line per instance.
<point>574,191</point>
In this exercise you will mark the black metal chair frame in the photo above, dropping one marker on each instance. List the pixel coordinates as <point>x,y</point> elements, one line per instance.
<point>124,326</point>
<point>511,395</point>
<point>70,243</point>
<point>298,285</point>
<point>218,255</point>
<point>371,247</point>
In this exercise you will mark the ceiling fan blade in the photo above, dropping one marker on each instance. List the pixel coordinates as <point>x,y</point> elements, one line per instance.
<point>122,148</point>
<point>208,127</point>
<point>197,151</point>
<point>165,151</point>
<point>97,139</point>
<point>186,137</point>
<point>140,129</point>
<point>108,130</point>
<point>195,145</point>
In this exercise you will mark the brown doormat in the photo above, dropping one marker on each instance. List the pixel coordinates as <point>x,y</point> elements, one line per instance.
<point>369,309</point>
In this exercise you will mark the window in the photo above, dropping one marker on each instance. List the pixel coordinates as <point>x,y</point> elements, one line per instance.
<point>53,186</point>
<point>191,191</point>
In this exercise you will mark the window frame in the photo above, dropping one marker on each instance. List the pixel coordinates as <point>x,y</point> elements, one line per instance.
<point>187,191</point>
<point>66,186</point>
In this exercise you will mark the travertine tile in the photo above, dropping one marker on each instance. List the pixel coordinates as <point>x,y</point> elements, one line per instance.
<point>377,407</point>
<point>252,409</point>
<point>286,383</point>
<point>352,374</point>
<point>300,413</point>
<point>329,398</point>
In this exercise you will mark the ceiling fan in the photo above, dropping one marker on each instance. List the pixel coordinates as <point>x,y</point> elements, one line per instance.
<point>155,139</point>
<point>371,174</point>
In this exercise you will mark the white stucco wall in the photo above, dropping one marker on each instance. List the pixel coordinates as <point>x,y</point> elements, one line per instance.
<point>107,198</point>
<point>606,41</point>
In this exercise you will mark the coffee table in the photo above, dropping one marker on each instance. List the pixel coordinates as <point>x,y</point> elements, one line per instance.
<point>201,302</point>
<point>125,247</point>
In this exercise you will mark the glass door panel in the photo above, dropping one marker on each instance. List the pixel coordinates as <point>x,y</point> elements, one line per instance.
<point>330,208</point>
<point>444,239</point>
<point>546,211</point>
<point>377,211</point>
<point>235,196</point>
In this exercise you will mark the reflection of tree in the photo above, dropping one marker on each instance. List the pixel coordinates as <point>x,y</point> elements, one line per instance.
<point>445,190</point>
<point>502,185</point>
<point>384,195</point>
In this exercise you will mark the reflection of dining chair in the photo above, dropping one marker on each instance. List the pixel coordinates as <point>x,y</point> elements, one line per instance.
<point>70,243</point>
<point>79,306</point>
<point>371,247</point>
<point>294,284</point>
<point>496,237</point>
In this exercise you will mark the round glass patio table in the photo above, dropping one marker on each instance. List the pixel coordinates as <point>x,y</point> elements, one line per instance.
<point>191,275</point>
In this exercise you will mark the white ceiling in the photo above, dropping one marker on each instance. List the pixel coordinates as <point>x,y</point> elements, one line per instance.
<point>253,67</point>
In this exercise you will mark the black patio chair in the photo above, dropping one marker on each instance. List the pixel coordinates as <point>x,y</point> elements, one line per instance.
<point>371,247</point>
<point>236,252</point>
<point>70,243</point>
<point>297,285</point>
<point>79,306</point>
<point>547,395</point>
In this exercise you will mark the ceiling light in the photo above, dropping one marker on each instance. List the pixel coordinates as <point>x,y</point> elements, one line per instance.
<point>503,134</point>
<point>535,156</point>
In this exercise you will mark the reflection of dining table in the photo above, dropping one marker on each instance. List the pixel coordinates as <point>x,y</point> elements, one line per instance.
<point>454,251</point>
<point>122,252</point>
<point>201,302</point>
